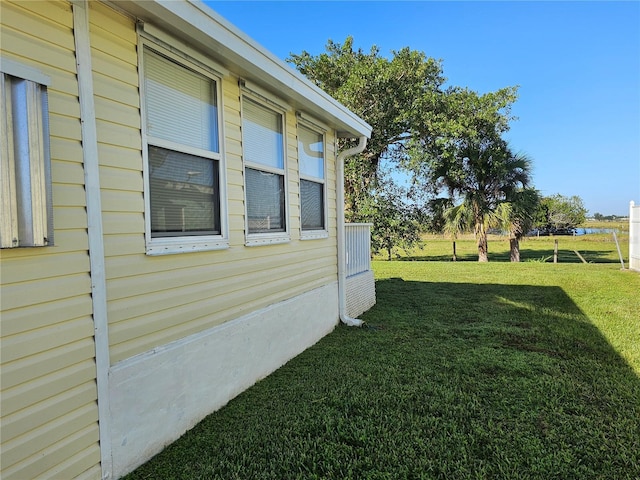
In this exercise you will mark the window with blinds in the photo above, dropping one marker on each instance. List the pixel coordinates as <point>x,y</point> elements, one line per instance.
<point>263,149</point>
<point>181,114</point>
<point>312,178</point>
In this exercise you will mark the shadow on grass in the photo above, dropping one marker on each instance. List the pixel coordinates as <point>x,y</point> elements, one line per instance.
<point>447,380</point>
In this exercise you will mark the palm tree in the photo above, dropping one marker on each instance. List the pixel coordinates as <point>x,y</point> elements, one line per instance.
<point>518,216</point>
<point>484,175</point>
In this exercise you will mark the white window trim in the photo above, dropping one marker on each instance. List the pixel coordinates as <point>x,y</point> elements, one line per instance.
<point>25,72</point>
<point>187,243</point>
<point>315,127</point>
<point>180,49</point>
<point>257,239</point>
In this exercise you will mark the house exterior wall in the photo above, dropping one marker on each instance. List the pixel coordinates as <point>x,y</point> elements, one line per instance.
<point>49,412</point>
<point>148,294</point>
<point>227,317</point>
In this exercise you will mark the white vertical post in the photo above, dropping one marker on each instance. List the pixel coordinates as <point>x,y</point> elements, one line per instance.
<point>634,236</point>
<point>615,237</point>
<point>94,220</point>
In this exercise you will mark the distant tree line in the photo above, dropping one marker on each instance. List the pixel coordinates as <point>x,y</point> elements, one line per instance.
<point>607,218</point>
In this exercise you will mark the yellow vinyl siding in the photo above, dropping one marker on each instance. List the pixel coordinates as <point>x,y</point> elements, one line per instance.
<point>121,180</point>
<point>168,294</point>
<point>50,433</point>
<point>118,157</point>
<point>43,413</point>
<point>34,268</point>
<point>48,399</point>
<point>69,172</point>
<point>118,114</point>
<point>45,464</point>
<point>24,454</point>
<point>238,303</point>
<point>66,105</point>
<point>233,153</point>
<point>48,362</point>
<point>45,387</point>
<point>39,316</point>
<point>110,88</point>
<point>114,62</point>
<point>39,52</point>
<point>18,347</point>
<point>55,11</point>
<point>294,178</point>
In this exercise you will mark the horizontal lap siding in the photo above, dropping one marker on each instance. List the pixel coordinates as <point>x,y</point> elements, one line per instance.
<point>153,300</point>
<point>49,411</point>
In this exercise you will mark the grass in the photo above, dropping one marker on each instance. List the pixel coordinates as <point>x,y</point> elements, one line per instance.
<point>463,371</point>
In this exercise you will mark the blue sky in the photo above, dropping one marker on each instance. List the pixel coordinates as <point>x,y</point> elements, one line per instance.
<point>577,65</point>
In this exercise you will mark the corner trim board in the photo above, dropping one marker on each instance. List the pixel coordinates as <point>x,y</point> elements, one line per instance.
<point>94,224</point>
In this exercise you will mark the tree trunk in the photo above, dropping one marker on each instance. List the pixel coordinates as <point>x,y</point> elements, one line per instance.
<point>483,250</point>
<point>389,253</point>
<point>514,247</point>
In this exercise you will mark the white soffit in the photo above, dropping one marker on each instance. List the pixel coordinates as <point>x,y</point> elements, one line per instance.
<point>203,29</point>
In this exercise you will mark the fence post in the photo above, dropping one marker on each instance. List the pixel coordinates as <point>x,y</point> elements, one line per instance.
<point>634,236</point>
<point>615,237</point>
<point>555,251</point>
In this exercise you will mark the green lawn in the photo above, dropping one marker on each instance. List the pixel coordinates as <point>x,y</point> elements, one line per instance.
<point>463,371</point>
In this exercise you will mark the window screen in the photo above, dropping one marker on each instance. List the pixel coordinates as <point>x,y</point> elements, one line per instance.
<point>183,194</point>
<point>265,201</point>
<point>312,198</point>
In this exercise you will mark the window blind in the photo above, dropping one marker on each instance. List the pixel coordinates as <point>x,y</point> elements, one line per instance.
<point>262,135</point>
<point>180,104</point>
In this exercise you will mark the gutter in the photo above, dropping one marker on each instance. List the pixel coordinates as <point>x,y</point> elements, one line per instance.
<point>342,257</point>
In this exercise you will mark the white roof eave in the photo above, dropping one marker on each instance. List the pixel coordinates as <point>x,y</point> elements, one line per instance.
<point>208,32</point>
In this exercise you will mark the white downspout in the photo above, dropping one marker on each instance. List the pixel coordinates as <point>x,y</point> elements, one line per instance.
<point>342,257</point>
